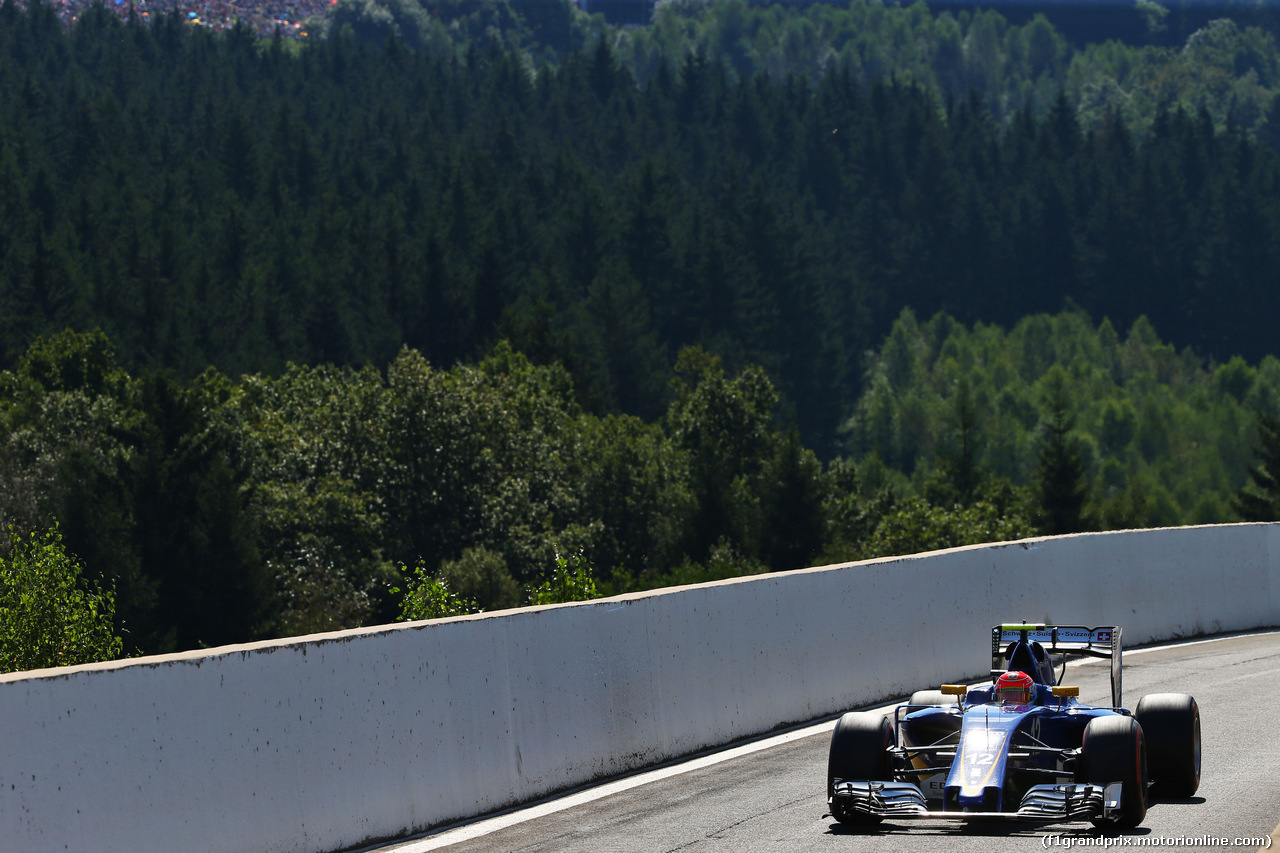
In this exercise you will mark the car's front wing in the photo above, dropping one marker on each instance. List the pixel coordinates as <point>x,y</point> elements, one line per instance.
<point>1041,803</point>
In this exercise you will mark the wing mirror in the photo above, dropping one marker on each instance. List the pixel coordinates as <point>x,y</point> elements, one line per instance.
<point>957,690</point>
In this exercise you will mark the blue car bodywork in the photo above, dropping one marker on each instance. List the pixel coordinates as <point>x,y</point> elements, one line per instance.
<point>958,754</point>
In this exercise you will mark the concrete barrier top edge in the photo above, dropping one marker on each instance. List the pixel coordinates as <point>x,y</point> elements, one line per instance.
<point>200,656</point>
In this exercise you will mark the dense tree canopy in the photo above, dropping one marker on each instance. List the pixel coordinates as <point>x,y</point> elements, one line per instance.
<point>225,510</point>
<point>284,328</point>
<point>211,199</point>
<point>1135,59</point>
<point>1149,435</point>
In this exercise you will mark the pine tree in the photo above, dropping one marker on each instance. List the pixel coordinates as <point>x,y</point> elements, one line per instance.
<point>1259,500</point>
<point>1060,486</point>
<point>960,462</point>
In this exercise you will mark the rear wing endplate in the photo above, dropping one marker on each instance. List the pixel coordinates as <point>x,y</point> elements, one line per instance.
<point>1101,642</point>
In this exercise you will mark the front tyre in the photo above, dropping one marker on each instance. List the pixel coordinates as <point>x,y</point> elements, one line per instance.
<point>1114,750</point>
<point>1171,723</point>
<point>931,697</point>
<point>859,750</point>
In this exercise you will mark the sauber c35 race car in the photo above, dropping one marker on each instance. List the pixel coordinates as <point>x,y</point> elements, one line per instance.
<point>968,753</point>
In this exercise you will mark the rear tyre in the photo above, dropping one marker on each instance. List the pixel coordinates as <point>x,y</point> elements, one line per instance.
<point>931,697</point>
<point>1114,750</point>
<point>1171,724</point>
<point>859,750</point>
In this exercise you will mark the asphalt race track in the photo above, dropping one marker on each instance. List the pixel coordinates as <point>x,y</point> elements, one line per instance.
<point>770,796</point>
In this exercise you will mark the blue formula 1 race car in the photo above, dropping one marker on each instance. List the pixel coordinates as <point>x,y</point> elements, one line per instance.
<point>1021,748</point>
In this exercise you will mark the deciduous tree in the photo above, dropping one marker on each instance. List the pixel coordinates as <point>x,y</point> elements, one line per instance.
<point>51,614</point>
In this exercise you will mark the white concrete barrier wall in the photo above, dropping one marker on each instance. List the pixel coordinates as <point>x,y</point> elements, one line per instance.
<point>330,742</point>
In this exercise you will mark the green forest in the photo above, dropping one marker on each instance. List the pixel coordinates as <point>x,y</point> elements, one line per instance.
<point>222,510</point>
<point>1134,58</point>
<point>442,312</point>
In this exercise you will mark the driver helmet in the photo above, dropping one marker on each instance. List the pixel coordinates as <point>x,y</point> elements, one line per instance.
<point>1014,688</point>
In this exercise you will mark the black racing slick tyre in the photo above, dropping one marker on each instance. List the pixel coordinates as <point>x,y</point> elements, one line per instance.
<point>859,750</point>
<point>1171,723</point>
<point>931,697</point>
<point>1114,750</point>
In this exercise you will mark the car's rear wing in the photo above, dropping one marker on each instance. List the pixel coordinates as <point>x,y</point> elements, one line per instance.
<point>1101,642</point>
